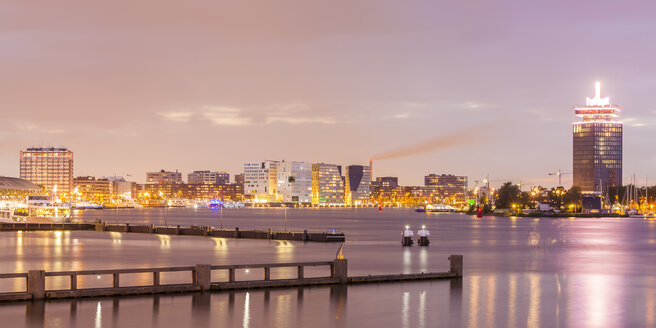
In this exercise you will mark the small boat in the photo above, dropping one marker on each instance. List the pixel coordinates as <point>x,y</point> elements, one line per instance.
<point>86,206</point>
<point>423,236</point>
<point>420,209</point>
<point>439,208</point>
<point>406,237</point>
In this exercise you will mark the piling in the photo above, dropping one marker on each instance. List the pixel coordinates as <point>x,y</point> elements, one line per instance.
<point>340,270</point>
<point>36,284</point>
<point>202,276</point>
<point>456,264</point>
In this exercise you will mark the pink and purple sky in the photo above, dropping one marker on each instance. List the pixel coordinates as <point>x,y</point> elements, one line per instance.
<point>136,86</point>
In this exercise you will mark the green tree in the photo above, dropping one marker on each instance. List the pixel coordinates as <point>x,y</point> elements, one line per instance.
<point>507,195</point>
<point>572,198</point>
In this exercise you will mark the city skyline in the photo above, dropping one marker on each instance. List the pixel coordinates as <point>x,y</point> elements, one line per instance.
<point>334,85</point>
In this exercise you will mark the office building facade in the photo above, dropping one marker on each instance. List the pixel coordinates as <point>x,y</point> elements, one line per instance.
<point>295,182</point>
<point>48,167</point>
<point>357,185</point>
<point>208,177</point>
<point>597,144</point>
<point>91,189</point>
<point>327,184</point>
<point>164,177</point>
<point>451,188</point>
<point>261,181</point>
<point>387,182</point>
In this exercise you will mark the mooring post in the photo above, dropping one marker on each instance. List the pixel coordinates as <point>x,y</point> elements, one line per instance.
<point>305,235</point>
<point>116,280</point>
<point>231,275</point>
<point>456,264</point>
<point>237,232</point>
<point>99,226</point>
<point>340,270</point>
<point>267,273</point>
<point>73,282</point>
<point>203,276</point>
<point>36,284</point>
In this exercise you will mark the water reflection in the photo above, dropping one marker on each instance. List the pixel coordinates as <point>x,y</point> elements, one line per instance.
<point>522,279</point>
<point>405,309</point>
<point>247,314</point>
<point>534,301</point>
<point>165,241</point>
<point>98,318</point>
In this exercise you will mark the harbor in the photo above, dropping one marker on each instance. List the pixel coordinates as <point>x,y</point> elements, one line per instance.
<point>505,258</point>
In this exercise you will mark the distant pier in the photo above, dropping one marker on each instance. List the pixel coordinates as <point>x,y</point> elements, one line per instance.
<point>200,279</point>
<point>179,230</point>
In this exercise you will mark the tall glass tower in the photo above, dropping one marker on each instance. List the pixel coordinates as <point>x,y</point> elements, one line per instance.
<point>597,144</point>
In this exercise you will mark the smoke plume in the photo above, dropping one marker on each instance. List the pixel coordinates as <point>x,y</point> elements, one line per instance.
<point>461,137</point>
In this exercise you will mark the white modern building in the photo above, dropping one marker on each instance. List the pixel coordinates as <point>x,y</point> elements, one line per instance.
<point>295,182</point>
<point>261,181</point>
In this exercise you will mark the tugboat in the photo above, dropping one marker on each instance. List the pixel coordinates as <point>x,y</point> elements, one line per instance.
<point>423,236</point>
<point>406,237</point>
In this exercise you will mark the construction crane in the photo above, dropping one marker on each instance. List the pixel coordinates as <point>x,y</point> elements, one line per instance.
<point>560,176</point>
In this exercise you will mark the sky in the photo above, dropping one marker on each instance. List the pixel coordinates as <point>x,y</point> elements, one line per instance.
<point>136,86</point>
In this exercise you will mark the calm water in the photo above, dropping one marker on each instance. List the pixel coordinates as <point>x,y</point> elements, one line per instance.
<point>518,271</point>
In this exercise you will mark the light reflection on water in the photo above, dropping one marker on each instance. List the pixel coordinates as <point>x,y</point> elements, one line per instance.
<point>518,272</point>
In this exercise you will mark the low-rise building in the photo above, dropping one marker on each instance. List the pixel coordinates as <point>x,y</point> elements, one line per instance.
<point>193,191</point>
<point>164,177</point>
<point>452,188</point>
<point>208,177</point>
<point>91,189</point>
<point>387,182</point>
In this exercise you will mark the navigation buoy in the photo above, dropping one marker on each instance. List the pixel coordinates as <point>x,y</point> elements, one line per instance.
<point>479,213</point>
<point>380,208</point>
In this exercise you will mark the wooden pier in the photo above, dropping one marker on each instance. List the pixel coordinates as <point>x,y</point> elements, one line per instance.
<point>200,279</point>
<point>179,230</point>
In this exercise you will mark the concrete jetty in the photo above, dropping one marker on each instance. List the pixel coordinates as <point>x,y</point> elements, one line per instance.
<point>205,231</point>
<point>200,279</point>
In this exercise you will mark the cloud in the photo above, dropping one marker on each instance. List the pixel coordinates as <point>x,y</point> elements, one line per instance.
<point>290,113</point>
<point>182,116</point>
<point>31,128</point>
<point>222,115</point>
<point>294,113</point>
<point>299,120</point>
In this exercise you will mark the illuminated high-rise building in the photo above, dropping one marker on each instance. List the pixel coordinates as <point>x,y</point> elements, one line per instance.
<point>48,167</point>
<point>597,144</point>
<point>327,184</point>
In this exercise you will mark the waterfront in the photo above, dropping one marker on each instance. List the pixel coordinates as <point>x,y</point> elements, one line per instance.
<point>518,271</point>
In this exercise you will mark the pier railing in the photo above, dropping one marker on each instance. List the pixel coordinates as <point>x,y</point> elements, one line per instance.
<point>201,279</point>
